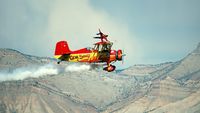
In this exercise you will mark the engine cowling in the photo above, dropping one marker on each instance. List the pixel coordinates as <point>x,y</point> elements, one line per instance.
<point>119,55</point>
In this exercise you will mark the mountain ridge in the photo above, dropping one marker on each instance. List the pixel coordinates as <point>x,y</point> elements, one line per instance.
<point>140,88</point>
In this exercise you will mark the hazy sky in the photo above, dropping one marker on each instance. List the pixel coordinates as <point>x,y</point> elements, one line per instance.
<point>165,29</point>
<point>150,31</point>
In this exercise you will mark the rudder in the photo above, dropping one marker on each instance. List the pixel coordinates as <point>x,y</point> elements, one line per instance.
<point>62,48</point>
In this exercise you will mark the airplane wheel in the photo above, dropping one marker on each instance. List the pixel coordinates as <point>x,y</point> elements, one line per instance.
<point>109,68</point>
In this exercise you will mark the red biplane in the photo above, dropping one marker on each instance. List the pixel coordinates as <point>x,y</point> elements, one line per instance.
<point>101,53</point>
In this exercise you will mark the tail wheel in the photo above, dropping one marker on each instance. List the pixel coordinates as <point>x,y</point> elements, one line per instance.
<point>110,68</point>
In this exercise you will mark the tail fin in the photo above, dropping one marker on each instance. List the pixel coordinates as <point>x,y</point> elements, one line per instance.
<point>62,48</point>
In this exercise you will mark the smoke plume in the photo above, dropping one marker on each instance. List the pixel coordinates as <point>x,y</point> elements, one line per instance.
<point>77,67</point>
<point>44,70</point>
<point>25,72</point>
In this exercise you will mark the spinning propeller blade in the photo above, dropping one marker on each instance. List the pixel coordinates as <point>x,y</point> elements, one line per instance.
<point>123,55</point>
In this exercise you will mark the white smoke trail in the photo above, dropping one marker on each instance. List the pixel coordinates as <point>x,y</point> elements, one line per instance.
<point>22,73</point>
<point>35,72</point>
<point>77,67</point>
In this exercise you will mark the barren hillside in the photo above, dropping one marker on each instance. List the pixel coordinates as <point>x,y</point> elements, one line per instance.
<point>168,87</point>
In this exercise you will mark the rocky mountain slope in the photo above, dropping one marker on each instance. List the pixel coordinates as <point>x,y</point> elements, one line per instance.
<point>11,59</point>
<point>168,87</point>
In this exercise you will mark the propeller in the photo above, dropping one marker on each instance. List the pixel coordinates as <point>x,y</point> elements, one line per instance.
<point>123,55</point>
